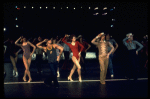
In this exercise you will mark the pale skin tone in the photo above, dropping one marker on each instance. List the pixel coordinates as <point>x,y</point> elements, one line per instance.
<point>26,62</point>
<point>75,61</point>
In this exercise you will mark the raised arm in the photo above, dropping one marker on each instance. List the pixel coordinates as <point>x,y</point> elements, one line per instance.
<point>39,44</point>
<point>16,42</point>
<point>59,41</point>
<point>65,40</point>
<point>60,48</point>
<point>124,41</point>
<point>93,41</point>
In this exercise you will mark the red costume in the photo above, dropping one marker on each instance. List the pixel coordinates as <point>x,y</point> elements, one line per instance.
<point>74,48</point>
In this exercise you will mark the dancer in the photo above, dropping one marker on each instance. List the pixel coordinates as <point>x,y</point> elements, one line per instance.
<point>26,56</point>
<point>83,54</point>
<point>133,52</point>
<point>39,55</point>
<point>145,50</point>
<point>76,55</point>
<point>57,52</point>
<point>50,49</point>
<point>103,55</point>
<point>13,54</point>
<point>110,64</point>
<point>66,54</point>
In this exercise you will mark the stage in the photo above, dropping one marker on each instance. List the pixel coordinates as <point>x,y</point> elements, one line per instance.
<point>118,86</point>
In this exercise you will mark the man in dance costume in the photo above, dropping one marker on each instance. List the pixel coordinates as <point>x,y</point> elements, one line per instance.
<point>76,55</point>
<point>26,56</point>
<point>110,64</point>
<point>83,54</point>
<point>50,49</point>
<point>103,54</point>
<point>133,52</point>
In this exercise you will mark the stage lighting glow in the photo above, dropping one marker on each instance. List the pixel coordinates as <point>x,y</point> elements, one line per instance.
<point>96,8</point>
<point>81,7</point>
<point>111,9</point>
<point>24,6</point>
<point>114,7</point>
<point>61,7</point>
<point>40,7</point>
<point>104,8</point>
<point>32,7</point>
<point>112,26</point>
<point>96,13</point>
<point>53,7</point>
<point>16,19</point>
<point>74,8</point>
<point>104,13</point>
<point>16,25</point>
<point>16,7</point>
<point>4,29</point>
<point>67,7</point>
<point>89,7</point>
<point>113,19</point>
<point>46,7</point>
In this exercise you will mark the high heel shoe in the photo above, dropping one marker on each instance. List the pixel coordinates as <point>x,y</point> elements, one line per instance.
<point>29,80</point>
<point>70,79</point>
<point>24,79</point>
<point>80,80</point>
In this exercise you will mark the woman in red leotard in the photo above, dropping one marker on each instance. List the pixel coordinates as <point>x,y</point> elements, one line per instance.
<point>76,54</point>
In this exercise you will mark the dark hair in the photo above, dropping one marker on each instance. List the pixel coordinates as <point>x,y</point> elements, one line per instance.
<point>107,34</point>
<point>71,37</point>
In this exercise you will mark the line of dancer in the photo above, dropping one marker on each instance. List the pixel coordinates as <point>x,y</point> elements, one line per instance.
<point>54,51</point>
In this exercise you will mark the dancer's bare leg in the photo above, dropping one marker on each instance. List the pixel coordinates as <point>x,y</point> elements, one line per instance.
<point>13,63</point>
<point>72,71</point>
<point>26,67</point>
<point>29,63</point>
<point>27,72</point>
<point>76,62</point>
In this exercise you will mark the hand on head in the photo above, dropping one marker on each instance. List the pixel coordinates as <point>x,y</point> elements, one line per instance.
<point>45,40</point>
<point>66,35</point>
<point>99,35</point>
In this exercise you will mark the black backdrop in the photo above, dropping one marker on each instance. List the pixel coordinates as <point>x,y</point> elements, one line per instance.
<point>129,16</point>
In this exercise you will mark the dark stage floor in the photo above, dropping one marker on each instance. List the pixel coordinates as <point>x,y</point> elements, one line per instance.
<point>90,87</point>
